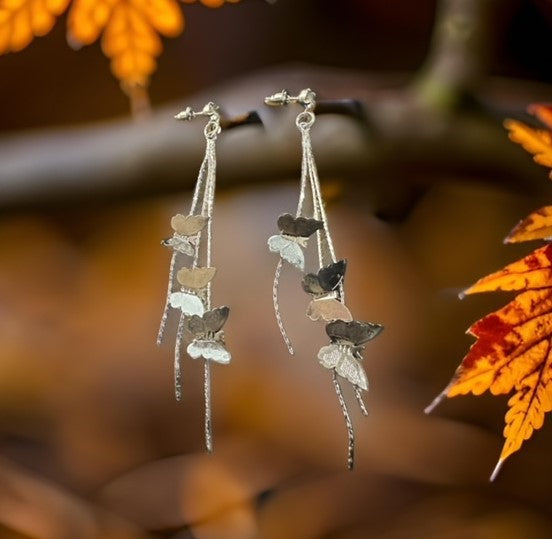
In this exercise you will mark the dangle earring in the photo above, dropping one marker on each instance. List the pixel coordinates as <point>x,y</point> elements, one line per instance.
<point>325,287</point>
<point>199,323</point>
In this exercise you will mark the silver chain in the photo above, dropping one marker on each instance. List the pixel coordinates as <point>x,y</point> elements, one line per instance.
<point>203,200</point>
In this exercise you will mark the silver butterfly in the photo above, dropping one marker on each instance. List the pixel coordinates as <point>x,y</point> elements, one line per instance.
<point>180,244</point>
<point>208,336</point>
<point>289,248</point>
<point>189,304</point>
<point>209,349</point>
<point>344,358</point>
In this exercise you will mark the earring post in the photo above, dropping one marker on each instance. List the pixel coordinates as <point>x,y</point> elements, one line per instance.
<point>306,98</point>
<point>249,118</point>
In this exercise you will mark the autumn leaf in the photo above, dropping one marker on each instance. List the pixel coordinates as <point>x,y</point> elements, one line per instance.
<point>130,31</point>
<point>22,20</point>
<point>513,350</point>
<point>533,271</point>
<point>536,141</point>
<point>537,226</point>
<point>543,111</point>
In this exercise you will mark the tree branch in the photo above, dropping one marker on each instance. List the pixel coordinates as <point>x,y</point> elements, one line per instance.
<point>459,54</point>
<point>424,127</point>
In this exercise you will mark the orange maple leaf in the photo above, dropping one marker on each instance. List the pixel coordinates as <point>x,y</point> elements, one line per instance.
<point>513,350</point>
<point>130,30</point>
<point>22,20</point>
<point>537,226</point>
<point>130,34</point>
<point>536,141</point>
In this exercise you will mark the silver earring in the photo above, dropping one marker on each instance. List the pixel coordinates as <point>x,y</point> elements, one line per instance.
<point>325,286</point>
<point>190,295</point>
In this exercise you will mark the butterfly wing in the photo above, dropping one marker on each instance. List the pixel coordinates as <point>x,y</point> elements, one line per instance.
<point>194,326</point>
<point>188,225</point>
<point>329,356</point>
<point>341,359</point>
<point>311,284</point>
<point>354,332</point>
<point>216,318</point>
<point>331,276</point>
<point>210,322</point>
<point>195,278</point>
<point>327,279</point>
<point>187,303</point>
<point>350,368</point>
<point>213,350</point>
<point>328,309</point>
<point>288,250</point>
<point>180,244</point>
<point>298,226</point>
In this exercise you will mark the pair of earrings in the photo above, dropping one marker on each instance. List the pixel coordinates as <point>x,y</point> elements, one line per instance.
<point>201,325</point>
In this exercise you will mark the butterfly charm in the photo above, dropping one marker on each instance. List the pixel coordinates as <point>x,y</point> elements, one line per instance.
<point>206,335</point>
<point>192,280</point>
<point>189,304</point>
<point>344,353</point>
<point>294,233</point>
<point>185,228</point>
<point>323,286</point>
<point>195,278</point>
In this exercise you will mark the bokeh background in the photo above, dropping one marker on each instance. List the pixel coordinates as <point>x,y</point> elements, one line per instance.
<point>421,189</point>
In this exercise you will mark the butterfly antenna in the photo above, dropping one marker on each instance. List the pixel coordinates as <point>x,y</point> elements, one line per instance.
<point>207,394</point>
<point>358,395</point>
<point>177,346</point>
<point>165,314</point>
<point>277,307</point>
<point>348,422</point>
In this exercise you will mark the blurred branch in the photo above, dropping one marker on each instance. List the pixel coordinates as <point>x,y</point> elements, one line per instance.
<point>425,124</point>
<point>459,53</point>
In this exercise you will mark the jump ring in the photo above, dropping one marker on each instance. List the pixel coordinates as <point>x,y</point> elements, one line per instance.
<point>305,119</point>
<point>212,130</point>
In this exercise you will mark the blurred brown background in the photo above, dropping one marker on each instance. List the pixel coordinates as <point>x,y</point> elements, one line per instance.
<point>421,190</point>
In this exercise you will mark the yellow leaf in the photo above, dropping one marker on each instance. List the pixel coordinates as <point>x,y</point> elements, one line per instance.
<point>87,19</point>
<point>22,20</point>
<point>528,406</point>
<point>510,343</point>
<point>535,141</point>
<point>543,112</point>
<point>537,226</point>
<point>130,33</point>
<point>533,271</point>
<point>513,350</point>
